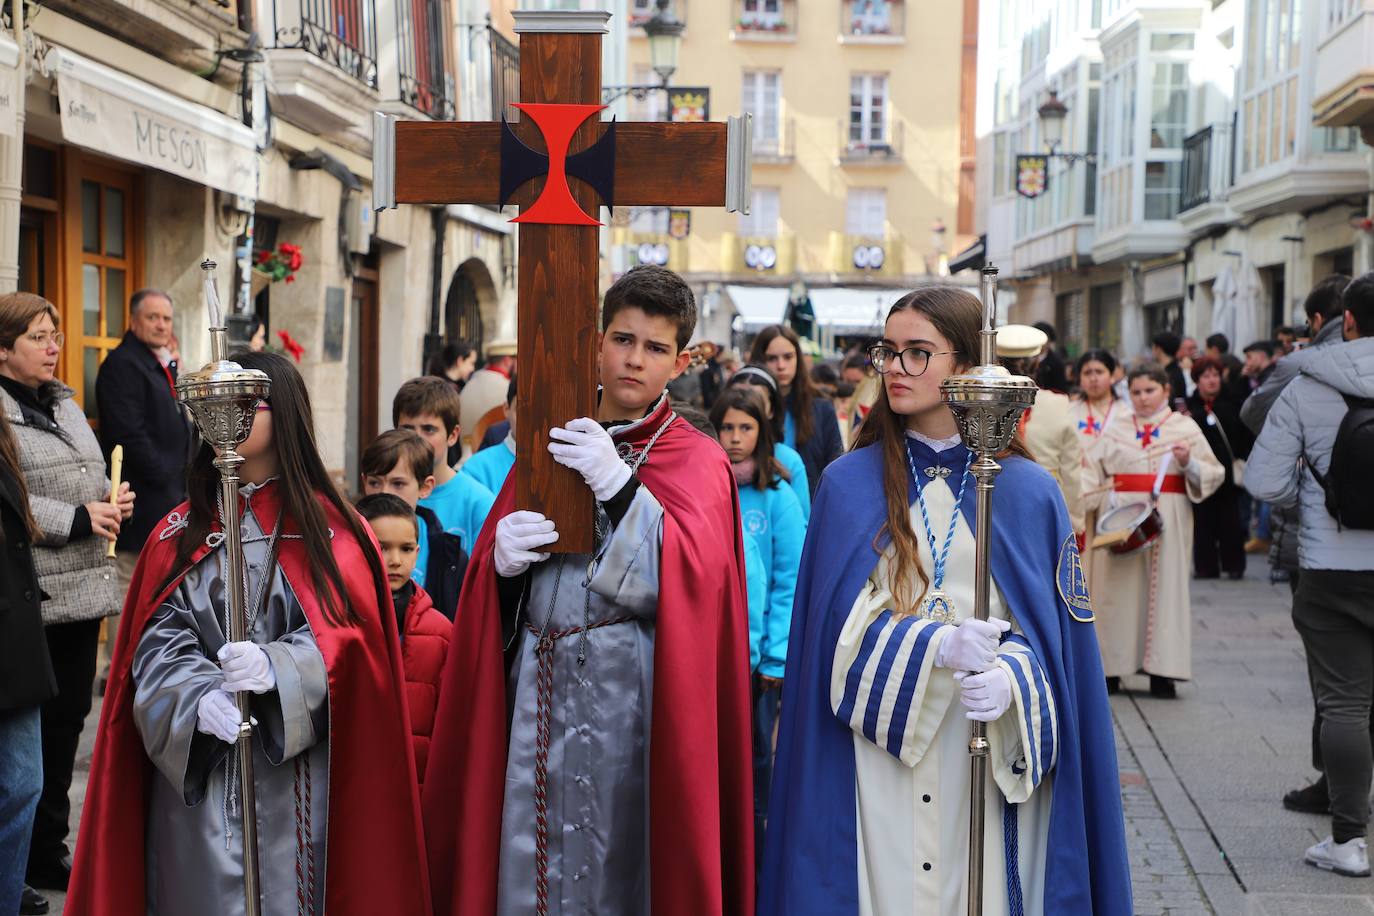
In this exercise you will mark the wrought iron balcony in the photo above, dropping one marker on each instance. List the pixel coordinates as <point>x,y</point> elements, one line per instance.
<point>1208,167</point>
<point>342,32</point>
<point>422,43</point>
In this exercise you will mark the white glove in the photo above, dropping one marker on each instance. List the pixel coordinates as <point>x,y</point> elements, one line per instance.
<point>218,717</point>
<point>589,450</point>
<point>517,537</point>
<point>986,695</point>
<point>973,645</point>
<point>246,667</point>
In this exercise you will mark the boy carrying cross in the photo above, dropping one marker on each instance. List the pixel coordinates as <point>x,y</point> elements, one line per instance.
<point>592,747</point>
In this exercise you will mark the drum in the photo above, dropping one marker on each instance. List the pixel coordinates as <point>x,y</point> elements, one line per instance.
<point>1128,528</point>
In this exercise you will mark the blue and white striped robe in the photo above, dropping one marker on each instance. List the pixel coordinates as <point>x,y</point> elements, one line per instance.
<point>911,749</point>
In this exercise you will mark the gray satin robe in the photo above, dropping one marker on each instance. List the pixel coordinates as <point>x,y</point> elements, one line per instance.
<point>598,764</point>
<point>189,868</point>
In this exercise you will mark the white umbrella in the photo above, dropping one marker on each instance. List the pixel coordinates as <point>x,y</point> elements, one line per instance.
<point>1224,290</point>
<point>1249,301</point>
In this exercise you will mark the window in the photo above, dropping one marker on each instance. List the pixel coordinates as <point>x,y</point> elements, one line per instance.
<point>1163,183</point>
<point>867,110</point>
<point>873,17</point>
<point>762,221</point>
<point>649,220</point>
<point>1169,105</point>
<point>762,99</point>
<point>1171,41</point>
<point>107,262</point>
<point>866,212</point>
<point>1104,316</point>
<point>1270,82</point>
<point>1338,13</point>
<point>765,15</point>
<point>1001,164</point>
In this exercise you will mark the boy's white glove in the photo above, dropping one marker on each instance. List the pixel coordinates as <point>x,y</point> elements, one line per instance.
<point>246,667</point>
<point>518,537</point>
<point>973,645</point>
<point>590,451</point>
<point>986,696</point>
<point>218,717</point>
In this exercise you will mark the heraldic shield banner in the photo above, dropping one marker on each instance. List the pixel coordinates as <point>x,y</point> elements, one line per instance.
<point>1032,175</point>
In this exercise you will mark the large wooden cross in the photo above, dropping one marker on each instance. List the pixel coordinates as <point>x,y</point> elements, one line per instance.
<point>530,163</point>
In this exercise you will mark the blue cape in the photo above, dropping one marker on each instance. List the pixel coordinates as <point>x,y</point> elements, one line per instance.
<point>810,861</point>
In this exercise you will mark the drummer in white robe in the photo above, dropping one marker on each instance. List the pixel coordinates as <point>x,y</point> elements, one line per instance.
<point>1144,619</point>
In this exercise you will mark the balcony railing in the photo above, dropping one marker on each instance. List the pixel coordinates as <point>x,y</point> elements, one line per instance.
<point>505,76</point>
<point>422,40</point>
<point>882,151</point>
<point>780,147</point>
<point>872,19</point>
<point>1208,166</point>
<point>764,19</point>
<point>342,32</point>
<point>642,12</point>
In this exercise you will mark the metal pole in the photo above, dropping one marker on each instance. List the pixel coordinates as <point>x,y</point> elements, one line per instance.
<point>223,398</point>
<point>987,402</point>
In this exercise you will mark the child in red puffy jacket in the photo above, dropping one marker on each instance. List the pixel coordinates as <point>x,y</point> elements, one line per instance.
<point>424,631</point>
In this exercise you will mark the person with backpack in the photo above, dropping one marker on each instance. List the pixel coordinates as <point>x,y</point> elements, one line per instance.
<point>1313,452</point>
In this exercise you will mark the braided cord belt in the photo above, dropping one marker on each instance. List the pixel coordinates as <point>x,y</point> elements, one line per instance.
<point>543,653</point>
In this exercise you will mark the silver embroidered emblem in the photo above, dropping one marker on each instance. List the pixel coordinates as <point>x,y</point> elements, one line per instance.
<point>936,471</point>
<point>175,522</point>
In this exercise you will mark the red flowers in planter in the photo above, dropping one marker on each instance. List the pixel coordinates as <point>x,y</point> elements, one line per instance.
<point>281,264</point>
<point>291,345</point>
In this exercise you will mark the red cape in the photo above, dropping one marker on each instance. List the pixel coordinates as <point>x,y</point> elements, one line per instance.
<point>375,844</point>
<point>700,777</point>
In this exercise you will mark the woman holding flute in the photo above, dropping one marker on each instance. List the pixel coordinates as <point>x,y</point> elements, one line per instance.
<point>69,498</point>
<point>870,807</point>
<point>1152,457</point>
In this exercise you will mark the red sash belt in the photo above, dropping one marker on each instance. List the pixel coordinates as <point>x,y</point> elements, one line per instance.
<point>1145,483</point>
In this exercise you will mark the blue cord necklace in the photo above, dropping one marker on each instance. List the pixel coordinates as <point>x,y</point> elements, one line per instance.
<point>937,604</point>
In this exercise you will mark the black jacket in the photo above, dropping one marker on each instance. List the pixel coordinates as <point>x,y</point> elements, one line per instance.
<point>26,675</point>
<point>825,444</point>
<point>446,565</point>
<point>1229,438</point>
<point>138,410</point>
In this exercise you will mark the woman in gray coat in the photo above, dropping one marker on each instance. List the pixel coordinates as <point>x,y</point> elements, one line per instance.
<point>69,497</point>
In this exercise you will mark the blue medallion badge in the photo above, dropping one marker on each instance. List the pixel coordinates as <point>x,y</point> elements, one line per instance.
<point>1073,588</point>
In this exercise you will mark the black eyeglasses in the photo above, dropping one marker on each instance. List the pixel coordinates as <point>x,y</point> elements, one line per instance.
<point>913,361</point>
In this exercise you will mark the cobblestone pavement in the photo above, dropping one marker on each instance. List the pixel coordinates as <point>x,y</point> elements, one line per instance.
<point>1201,776</point>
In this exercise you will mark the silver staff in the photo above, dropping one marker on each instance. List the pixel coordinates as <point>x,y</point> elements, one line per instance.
<point>987,402</point>
<point>223,398</point>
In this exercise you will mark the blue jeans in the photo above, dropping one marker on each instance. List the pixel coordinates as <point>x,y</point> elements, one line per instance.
<point>21,781</point>
<point>1262,528</point>
<point>767,701</point>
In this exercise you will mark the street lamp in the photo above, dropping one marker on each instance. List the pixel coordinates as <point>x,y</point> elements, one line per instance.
<point>664,32</point>
<point>1032,175</point>
<point>1052,114</point>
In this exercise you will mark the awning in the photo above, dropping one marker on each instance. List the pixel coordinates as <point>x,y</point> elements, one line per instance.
<point>122,116</point>
<point>971,258</point>
<point>758,306</point>
<point>853,309</point>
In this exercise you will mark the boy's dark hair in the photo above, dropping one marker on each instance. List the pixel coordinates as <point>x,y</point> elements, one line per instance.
<point>1327,297</point>
<point>855,361</point>
<point>1359,302</point>
<point>1263,346</point>
<point>1153,373</point>
<point>656,291</point>
<point>510,391</point>
<point>1219,343</point>
<point>387,505</point>
<point>1048,329</point>
<point>427,396</point>
<point>398,446</point>
<point>1167,341</point>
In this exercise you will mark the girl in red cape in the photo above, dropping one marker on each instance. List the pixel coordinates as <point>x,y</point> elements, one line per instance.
<point>337,803</point>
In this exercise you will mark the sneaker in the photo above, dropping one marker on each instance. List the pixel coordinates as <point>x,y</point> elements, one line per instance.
<point>32,903</point>
<point>1313,799</point>
<point>1350,858</point>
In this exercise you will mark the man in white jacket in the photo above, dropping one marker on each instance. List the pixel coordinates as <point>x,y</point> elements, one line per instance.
<point>1334,605</point>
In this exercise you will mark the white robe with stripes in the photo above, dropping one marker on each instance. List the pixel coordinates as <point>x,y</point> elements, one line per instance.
<point>911,748</point>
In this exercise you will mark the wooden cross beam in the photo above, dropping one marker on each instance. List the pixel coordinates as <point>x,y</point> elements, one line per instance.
<point>559,163</point>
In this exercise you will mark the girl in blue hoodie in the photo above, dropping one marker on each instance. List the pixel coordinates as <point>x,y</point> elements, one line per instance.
<point>763,383</point>
<point>772,518</point>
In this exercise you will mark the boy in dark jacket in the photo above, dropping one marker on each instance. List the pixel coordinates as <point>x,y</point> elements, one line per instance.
<point>424,631</point>
<point>399,462</point>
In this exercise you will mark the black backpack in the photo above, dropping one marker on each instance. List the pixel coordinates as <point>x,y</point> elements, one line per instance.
<point>1347,482</point>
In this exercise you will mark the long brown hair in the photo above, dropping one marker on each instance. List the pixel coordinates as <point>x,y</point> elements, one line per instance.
<point>9,465</point>
<point>958,316</point>
<point>803,393</point>
<point>303,481</point>
<point>746,399</point>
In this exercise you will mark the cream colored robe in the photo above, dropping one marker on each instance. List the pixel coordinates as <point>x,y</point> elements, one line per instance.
<point>1051,435</point>
<point>1144,616</point>
<point>1089,425</point>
